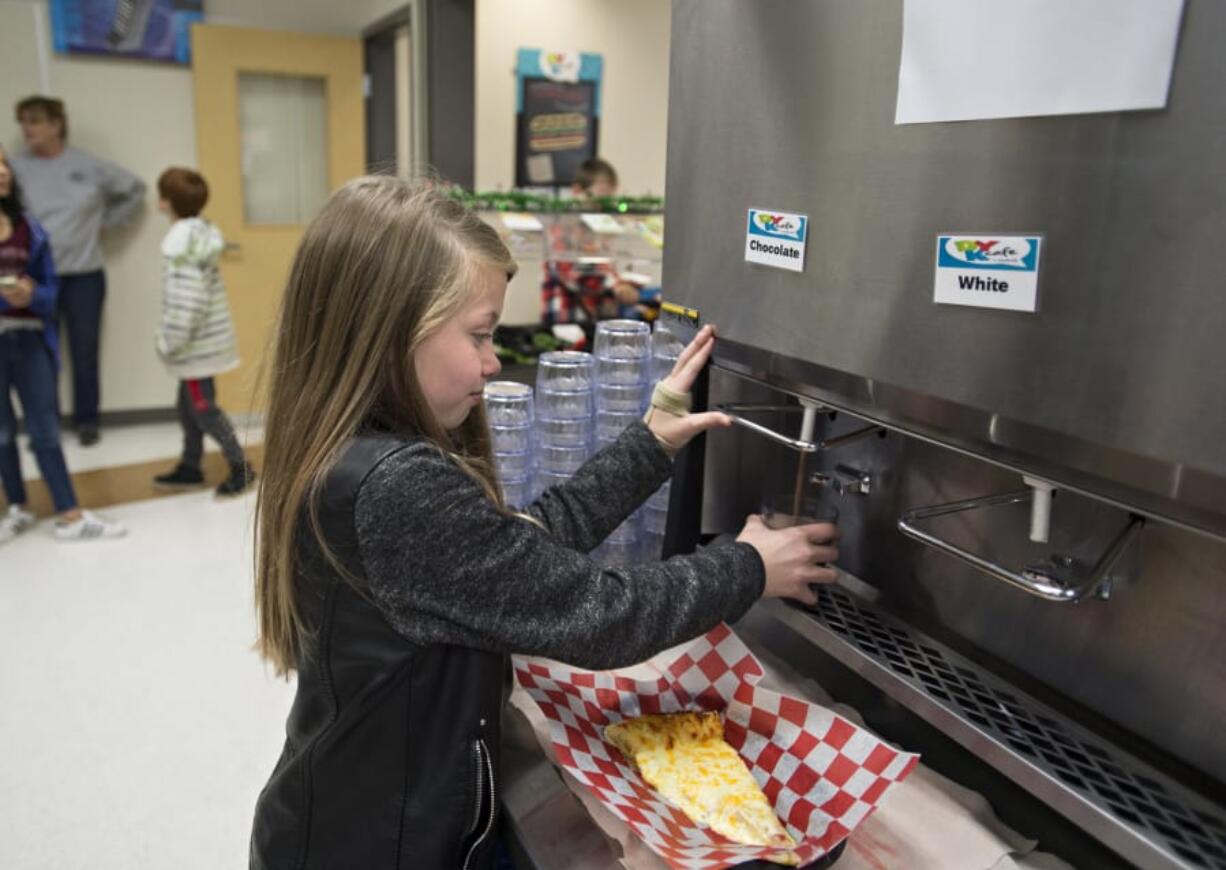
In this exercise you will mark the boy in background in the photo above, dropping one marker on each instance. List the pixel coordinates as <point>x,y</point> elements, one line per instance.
<point>196,339</point>
<point>576,293</point>
<point>594,179</point>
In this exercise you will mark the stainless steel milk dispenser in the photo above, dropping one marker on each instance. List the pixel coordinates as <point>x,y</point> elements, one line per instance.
<point>1033,504</point>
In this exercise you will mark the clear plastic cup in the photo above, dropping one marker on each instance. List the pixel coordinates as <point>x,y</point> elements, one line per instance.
<point>610,424</point>
<point>619,553</point>
<point>778,512</point>
<point>653,546</point>
<point>564,371</point>
<point>572,432</point>
<point>666,347</point>
<point>622,339</point>
<point>517,491</point>
<point>630,530</point>
<point>511,439</point>
<point>561,459</point>
<point>623,371</point>
<point>660,498</point>
<point>508,403</point>
<point>665,343</point>
<point>564,404</point>
<point>545,479</point>
<point>513,465</point>
<point>661,367</point>
<point>654,519</point>
<point>621,397</point>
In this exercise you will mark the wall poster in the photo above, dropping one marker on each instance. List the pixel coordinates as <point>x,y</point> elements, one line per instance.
<point>557,116</point>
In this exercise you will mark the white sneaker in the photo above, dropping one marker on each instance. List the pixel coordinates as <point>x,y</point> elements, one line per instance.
<point>88,527</point>
<point>16,521</point>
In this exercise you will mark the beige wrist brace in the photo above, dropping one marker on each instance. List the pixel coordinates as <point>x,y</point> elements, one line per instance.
<point>666,400</point>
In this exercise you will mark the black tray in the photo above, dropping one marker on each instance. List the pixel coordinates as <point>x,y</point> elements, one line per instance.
<point>821,863</point>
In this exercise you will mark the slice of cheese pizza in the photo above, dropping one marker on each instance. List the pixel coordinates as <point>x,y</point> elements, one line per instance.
<point>685,758</point>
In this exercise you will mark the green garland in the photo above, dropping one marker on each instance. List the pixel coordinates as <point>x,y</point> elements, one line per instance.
<point>516,201</point>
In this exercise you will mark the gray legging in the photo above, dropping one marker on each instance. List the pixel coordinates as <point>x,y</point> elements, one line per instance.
<point>200,416</point>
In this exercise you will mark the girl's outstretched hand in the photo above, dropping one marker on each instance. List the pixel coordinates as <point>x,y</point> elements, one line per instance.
<point>795,558</point>
<point>668,418</point>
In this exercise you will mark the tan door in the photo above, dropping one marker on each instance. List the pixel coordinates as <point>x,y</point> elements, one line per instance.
<point>279,125</point>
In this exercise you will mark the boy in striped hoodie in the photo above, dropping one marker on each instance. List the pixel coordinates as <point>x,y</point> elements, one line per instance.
<point>196,338</point>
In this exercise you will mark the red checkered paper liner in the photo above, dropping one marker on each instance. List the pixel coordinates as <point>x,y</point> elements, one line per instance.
<point>822,774</point>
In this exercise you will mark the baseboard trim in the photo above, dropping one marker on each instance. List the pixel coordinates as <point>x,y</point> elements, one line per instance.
<point>137,416</point>
<point>132,417</point>
<point>120,484</point>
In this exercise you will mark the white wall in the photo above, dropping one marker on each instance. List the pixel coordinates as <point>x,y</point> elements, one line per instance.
<point>632,36</point>
<point>138,114</point>
<point>338,17</point>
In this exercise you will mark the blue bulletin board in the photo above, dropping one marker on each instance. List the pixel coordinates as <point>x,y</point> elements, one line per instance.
<point>147,29</point>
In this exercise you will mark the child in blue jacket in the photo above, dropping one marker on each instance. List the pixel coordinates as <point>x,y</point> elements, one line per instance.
<point>28,362</point>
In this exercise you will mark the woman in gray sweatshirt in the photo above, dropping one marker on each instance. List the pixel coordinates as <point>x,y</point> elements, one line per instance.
<point>75,195</point>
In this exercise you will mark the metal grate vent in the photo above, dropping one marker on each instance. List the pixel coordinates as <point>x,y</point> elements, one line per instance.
<point>1094,770</point>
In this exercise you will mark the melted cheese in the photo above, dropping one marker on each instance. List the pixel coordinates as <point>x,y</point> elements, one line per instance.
<point>684,757</point>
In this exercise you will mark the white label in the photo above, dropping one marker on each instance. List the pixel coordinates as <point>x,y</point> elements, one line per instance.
<point>985,270</point>
<point>521,222</point>
<point>776,238</point>
<point>602,223</point>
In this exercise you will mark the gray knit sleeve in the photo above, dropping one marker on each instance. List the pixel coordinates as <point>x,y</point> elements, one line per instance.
<point>444,566</point>
<point>610,486</point>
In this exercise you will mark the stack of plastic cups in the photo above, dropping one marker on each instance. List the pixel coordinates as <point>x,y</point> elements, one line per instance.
<point>623,384</point>
<point>508,407</point>
<point>665,348</point>
<point>564,385</point>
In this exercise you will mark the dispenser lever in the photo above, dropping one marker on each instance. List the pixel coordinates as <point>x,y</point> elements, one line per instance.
<point>801,444</point>
<point>1059,581</point>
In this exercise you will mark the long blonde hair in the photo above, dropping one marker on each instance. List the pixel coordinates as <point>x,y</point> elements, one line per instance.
<point>383,266</point>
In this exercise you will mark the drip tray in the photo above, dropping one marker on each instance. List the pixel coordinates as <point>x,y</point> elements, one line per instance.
<point>1143,815</point>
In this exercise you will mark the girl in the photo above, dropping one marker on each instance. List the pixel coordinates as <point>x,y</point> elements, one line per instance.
<point>28,360</point>
<point>390,576</point>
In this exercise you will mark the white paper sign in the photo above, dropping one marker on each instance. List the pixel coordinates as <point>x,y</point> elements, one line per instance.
<point>985,270</point>
<point>602,223</point>
<point>521,222</point>
<point>968,59</point>
<point>776,238</point>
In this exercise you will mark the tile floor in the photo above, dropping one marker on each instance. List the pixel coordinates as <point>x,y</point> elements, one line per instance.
<point>137,725</point>
<point>125,445</point>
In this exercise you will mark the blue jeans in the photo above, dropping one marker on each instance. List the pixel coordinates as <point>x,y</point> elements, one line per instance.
<point>81,309</point>
<point>27,367</point>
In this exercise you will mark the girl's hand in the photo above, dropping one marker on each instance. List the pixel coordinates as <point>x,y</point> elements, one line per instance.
<point>795,557</point>
<point>673,426</point>
<point>19,295</point>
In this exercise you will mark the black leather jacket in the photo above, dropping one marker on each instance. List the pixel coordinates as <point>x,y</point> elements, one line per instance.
<point>391,749</point>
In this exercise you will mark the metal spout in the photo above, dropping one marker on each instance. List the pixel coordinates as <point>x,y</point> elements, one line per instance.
<point>844,480</point>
